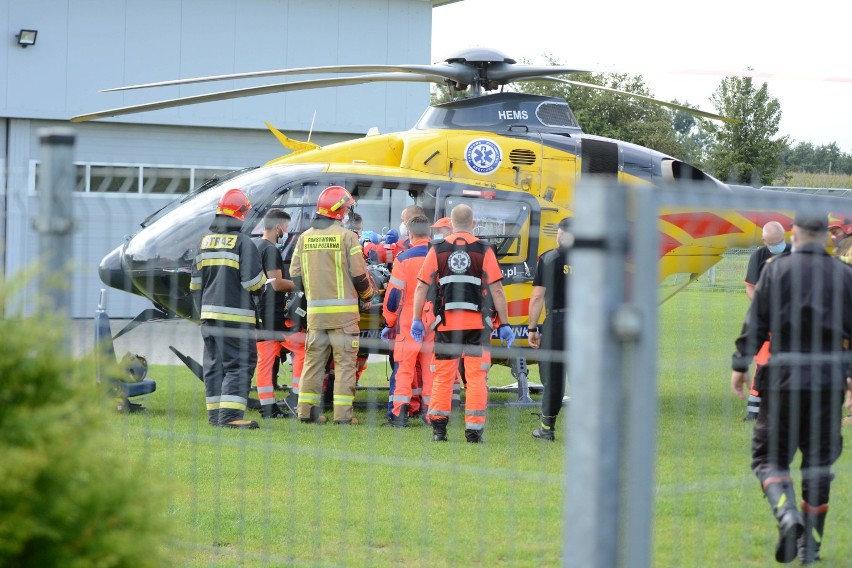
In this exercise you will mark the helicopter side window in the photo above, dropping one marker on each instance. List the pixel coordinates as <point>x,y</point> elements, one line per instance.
<point>380,201</point>
<point>499,223</point>
<point>298,201</point>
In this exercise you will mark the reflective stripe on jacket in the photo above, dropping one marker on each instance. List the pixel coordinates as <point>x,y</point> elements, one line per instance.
<point>399,297</point>
<point>328,260</point>
<point>227,271</point>
<point>459,274</point>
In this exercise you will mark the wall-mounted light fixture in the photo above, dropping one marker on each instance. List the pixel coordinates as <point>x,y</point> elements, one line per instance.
<point>27,38</point>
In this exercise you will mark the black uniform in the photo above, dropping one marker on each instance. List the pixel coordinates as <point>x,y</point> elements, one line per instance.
<point>805,300</point>
<point>270,304</point>
<point>756,262</point>
<point>551,273</point>
<point>227,271</point>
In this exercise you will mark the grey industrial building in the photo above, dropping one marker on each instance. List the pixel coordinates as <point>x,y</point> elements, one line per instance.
<point>130,166</point>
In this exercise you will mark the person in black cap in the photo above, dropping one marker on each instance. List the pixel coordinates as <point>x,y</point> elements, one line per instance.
<point>805,300</point>
<point>549,290</point>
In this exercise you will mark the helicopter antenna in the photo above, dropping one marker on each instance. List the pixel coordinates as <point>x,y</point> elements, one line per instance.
<point>311,131</point>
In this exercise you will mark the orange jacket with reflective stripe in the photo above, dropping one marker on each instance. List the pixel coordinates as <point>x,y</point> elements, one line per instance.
<point>399,297</point>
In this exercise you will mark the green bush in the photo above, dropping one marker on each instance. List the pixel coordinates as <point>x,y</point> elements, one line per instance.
<point>69,495</point>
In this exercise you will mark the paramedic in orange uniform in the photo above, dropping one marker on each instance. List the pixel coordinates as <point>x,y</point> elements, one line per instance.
<point>399,313</point>
<point>468,283</point>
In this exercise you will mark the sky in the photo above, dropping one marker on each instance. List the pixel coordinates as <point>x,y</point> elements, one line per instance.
<point>682,49</point>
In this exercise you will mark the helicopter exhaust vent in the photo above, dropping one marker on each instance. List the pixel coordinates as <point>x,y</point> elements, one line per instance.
<point>555,114</point>
<point>549,230</point>
<point>522,157</point>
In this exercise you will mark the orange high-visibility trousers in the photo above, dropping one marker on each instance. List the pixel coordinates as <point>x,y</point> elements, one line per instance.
<point>476,392</point>
<point>417,402</point>
<point>407,354</point>
<point>267,352</point>
<point>360,366</point>
<point>295,343</point>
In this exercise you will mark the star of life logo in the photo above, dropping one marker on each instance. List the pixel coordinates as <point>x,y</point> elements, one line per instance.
<point>483,156</point>
<point>459,262</point>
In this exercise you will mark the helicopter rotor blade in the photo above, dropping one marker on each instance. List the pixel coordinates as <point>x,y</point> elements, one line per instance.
<point>457,72</point>
<point>505,73</point>
<point>675,106</point>
<point>263,90</point>
<point>754,74</point>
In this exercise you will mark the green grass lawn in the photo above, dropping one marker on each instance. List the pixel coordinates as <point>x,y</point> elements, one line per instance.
<point>293,494</point>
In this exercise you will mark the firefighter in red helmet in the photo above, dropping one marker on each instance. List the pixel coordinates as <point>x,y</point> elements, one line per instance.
<point>228,274</point>
<point>329,266</point>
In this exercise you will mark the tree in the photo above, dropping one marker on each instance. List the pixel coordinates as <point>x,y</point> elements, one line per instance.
<point>746,151</point>
<point>440,94</point>
<point>613,115</point>
<point>800,157</point>
<point>693,135</point>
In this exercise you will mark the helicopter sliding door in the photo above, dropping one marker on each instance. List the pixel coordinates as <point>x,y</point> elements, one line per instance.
<point>507,220</point>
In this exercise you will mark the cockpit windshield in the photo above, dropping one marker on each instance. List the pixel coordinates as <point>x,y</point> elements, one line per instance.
<point>207,184</point>
<point>171,238</point>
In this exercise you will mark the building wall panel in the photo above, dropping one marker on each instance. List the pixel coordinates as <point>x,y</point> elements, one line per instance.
<point>87,45</point>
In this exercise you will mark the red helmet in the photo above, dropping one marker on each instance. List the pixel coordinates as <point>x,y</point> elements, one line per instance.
<point>333,202</point>
<point>234,204</point>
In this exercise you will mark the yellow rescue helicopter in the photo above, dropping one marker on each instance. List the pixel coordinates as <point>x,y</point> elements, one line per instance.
<point>514,158</point>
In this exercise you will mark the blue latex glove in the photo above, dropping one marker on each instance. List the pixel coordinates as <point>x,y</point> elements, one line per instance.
<point>388,334</point>
<point>506,335</point>
<point>417,330</point>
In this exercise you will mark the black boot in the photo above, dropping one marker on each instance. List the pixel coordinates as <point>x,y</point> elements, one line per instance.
<point>473,436</point>
<point>240,425</point>
<point>782,498</point>
<point>439,430</point>
<point>213,417</point>
<point>400,421</point>
<point>268,411</point>
<point>547,430</point>
<point>809,543</point>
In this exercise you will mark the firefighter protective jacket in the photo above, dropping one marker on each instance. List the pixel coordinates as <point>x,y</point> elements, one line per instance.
<point>333,273</point>
<point>804,299</point>
<point>227,270</point>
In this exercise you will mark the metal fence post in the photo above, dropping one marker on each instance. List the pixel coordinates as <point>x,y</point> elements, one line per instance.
<point>54,222</point>
<point>590,533</point>
<point>640,408</point>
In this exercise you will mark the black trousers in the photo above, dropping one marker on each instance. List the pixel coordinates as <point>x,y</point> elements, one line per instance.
<point>808,420</point>
<point>230,357</point>
<point>552,369</point>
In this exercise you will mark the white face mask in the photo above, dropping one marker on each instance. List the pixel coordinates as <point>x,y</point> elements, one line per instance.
<point>403,232</point>
<point>777,248</point>
<point>437,237</point>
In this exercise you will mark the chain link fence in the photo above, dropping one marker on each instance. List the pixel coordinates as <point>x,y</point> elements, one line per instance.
<point>650,465</point>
